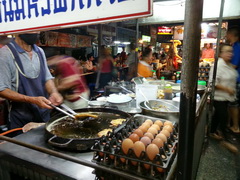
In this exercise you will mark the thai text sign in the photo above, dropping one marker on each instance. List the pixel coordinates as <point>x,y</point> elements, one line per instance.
<point>163,30</point>
<point>28,15</point>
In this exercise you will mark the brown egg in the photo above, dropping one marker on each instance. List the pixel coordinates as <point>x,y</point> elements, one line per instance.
<point>143,128</point>
<point>134,137</point>
<point>165,132</point>
<point>159,123</point>
<point>162,137</point>
<point>168,123</point>
<point>156,127</point>
<point>147,166</point>
<point>150,135</point>
<point>147,125</point>
<point>126,145</point>
<point>158,142</point>
<point>111,156</point>
<point>149,121</point>
<point>161,170</point>
<point>168,128</point>
<point>138,147</point>
<point>146,140</point>
<point>138,132</point>
<point>152,151</point>
<point>123,160</point>
<point>153,130</point>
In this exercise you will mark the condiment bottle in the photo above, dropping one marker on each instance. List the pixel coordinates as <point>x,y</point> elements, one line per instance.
<point>178,75</point>
<point>162,83</point>
<point>168,92</point>
<point>154,74</point>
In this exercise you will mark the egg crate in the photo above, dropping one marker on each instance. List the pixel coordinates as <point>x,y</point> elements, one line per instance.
<point>108,152</point>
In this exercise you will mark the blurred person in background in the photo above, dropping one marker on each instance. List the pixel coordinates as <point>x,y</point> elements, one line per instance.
<point>123,56</point>
<point>232,37</point>
<point>26,81</point>
<point>105,61</point>
<point>225,90</point>
<point>131,63</point>
<point>208,51</point>
<point>174,56</point>
<point>69,81</point>
<point>88,66</point>
<point>144,68</point>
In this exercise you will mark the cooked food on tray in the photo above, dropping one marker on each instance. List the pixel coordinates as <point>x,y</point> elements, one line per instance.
<point>160,108</point>
<point>104,132</point>
<point>117,122</point>
<point>83,115</point>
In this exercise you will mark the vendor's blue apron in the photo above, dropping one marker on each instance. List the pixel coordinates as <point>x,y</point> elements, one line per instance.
<point>23,113</point>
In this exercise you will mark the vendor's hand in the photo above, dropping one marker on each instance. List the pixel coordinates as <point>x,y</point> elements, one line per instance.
<point>56,98</point>
<point>30,126</point>
<point>41,101</point>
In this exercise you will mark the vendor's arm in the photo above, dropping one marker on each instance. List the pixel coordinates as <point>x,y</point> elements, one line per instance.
<point>15,96</point>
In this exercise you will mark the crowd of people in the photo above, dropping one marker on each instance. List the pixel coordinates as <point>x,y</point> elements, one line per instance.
<point>227,89</point>
<point>32,83</point>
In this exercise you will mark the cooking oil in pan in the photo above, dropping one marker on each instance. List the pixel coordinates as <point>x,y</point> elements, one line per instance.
<point>86,128</point>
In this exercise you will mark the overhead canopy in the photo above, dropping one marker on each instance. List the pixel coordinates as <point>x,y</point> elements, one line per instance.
<point>20,16</point>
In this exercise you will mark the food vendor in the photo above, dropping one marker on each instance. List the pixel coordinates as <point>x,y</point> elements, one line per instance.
<point>26,81</point>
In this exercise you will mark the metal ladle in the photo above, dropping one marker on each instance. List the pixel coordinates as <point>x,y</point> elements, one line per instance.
<point>146,100</point>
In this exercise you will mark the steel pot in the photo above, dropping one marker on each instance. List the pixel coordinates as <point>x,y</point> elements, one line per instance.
<point>171,112</point>
<point>60,133</point>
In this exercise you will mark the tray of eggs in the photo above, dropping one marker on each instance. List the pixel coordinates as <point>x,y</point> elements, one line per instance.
<point>146,146</point>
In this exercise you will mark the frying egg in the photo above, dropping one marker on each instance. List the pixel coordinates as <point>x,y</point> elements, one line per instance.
<point>139,132</point>
<point>159,123</point>
<point>126,145</point>
<point>162,137</point>
<point>153,130</point>
<point>146,140</point>
<point>134,137</point>
<point>148,134</point>
<point>158,142</point>
<point>138,148</point>
<point>152,151</point>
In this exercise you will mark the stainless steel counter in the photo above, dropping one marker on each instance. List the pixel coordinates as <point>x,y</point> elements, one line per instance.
<point>31,163</point>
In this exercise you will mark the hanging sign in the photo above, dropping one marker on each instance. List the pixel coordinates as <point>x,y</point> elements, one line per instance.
<point>29,15</point>
<point>164,30</point>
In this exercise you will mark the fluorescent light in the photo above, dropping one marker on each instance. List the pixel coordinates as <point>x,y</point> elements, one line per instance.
<point>117,42</point>
<point>126,43</point>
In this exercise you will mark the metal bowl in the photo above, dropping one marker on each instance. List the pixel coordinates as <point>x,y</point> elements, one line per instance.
<point>171,112</point>
<point>97,103</point>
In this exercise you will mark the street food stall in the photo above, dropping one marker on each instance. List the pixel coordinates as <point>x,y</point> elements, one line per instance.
<point>119,153</point>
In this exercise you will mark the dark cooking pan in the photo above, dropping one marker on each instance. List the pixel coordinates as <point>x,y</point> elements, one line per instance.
<point>64,132</point>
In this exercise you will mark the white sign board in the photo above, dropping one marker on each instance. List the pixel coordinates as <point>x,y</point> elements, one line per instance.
<point>28,15</point>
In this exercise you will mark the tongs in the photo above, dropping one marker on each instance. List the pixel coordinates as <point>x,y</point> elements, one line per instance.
<point>68,111</point>
<point>71,113</point>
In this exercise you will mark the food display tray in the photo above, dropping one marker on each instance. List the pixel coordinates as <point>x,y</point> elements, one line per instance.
<point>108,152</point>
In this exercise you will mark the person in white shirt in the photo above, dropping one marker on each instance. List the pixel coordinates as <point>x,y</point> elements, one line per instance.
<point>225,90</point>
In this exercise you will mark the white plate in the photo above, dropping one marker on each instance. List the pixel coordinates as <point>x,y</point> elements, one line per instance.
<point>118,98</point>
